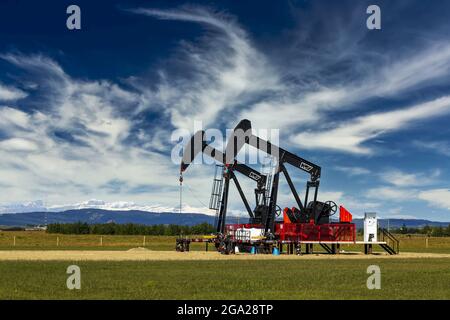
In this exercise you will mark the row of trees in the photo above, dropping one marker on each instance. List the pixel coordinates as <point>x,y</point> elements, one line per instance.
<point>427,230</point>
<point>203,228</point>
<point>129,229</point>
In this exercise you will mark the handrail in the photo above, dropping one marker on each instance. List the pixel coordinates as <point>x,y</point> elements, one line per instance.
<point>395,243</point>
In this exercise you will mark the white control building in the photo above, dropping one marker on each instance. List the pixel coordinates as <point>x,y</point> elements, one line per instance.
<point>370,227</point>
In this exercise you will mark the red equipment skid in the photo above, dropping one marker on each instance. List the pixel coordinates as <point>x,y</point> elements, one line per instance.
<point>301,232</point>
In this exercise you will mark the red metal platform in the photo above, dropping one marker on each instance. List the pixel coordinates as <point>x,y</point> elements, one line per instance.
<point>300,232</point>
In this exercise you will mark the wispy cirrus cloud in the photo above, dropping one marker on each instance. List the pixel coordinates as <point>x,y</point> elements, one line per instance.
<point>439,198</point>
<point>313,101</point>
<point>77,143</point>
<point>438,147</point>
<point>404,179</point>
<point>350,136</point>
<point>303,96</point>
<point>288,102</point>
<point>85,139</point>
<point>223,71</point>
<point>353,171</point>
<point>89,138</point>
<point>392,193</point>
<point>8,93</point>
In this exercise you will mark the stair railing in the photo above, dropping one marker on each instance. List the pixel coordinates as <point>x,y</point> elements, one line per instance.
<point>390,240</point>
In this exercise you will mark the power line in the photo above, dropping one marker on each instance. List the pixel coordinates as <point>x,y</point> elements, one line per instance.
<point>195,197</point>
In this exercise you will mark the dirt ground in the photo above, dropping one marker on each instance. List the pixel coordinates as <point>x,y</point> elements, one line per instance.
<point>142,254</point>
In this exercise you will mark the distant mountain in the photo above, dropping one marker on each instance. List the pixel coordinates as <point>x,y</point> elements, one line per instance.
<point>104,216</point>
<point>143,217</point>
<point>397,223</point>
<point>40,206</point>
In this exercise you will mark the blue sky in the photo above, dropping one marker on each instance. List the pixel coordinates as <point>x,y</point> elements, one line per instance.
<point>89,114</point>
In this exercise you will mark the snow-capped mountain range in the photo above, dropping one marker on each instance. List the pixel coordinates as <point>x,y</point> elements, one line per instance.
<point>40,206</point>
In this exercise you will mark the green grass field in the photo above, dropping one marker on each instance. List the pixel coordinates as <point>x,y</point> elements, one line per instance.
<point>246,279</point>
<point>39,240</point>
<point>343,279</point>
<point>29,240</point>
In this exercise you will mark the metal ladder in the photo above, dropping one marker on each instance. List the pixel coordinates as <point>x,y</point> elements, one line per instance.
<point>268,168</point>
<point>216,192</point>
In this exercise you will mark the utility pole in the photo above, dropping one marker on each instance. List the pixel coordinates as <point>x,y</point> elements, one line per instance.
<point>181,192</point>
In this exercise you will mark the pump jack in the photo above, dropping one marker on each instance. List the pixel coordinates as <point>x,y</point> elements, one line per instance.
<point>197,145</point>
<point>314,210</point>
<point>306,225</point>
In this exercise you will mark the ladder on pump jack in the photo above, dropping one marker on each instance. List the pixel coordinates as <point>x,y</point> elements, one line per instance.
<point>268,167</point>
<point>216,192</point>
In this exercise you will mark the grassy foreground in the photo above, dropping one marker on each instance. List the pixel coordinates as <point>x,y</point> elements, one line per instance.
<point>337,279</point>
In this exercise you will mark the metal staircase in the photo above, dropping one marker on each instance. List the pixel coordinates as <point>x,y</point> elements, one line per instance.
<point>326,247</point>
<point>392,245</point>
<point>216,192</point>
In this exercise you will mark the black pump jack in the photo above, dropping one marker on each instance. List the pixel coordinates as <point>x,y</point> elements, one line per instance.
<point>316,210</point>
<point>197,145</point>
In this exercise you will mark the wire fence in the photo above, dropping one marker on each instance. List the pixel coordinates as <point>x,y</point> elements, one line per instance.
<point>40,240</point>
<point>29,240</point>
<point>10,240</point>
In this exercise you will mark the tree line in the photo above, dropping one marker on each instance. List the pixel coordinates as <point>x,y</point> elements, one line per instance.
<point>129,229</point>
<point>203,228</point>
<point>438,231</point>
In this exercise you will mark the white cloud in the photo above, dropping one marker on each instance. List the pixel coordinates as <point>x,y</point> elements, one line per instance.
<point>225,70</point>
<point>8,93</point>
<point>439,198</point>
<point>350,136</point>
<point>313,100</point>
<point>391,193</point>
<point>428,65</point>
<point>37,163</point>
<point>439,147</point>
<point>404,179</point>
<point>357,206</point>
<point>223,74</point>
<point>353,171</point>
<point>11,118</point>
<point>18,144</point>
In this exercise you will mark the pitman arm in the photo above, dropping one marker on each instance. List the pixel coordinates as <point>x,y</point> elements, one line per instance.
<point>242,134</point>
<point>198,145</point>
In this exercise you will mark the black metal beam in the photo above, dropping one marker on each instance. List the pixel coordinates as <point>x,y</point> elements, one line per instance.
<point>292,187</point>
<point>241,193</point>
<point>270,219</point>
<point>242,135</point>
<point>288,157</point>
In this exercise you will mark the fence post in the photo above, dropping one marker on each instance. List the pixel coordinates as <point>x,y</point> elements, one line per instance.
<point>57,241</point>
<point>144,242</point>
<point>14,243</point>
<point>101,241</point>
<point>426,242</point>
